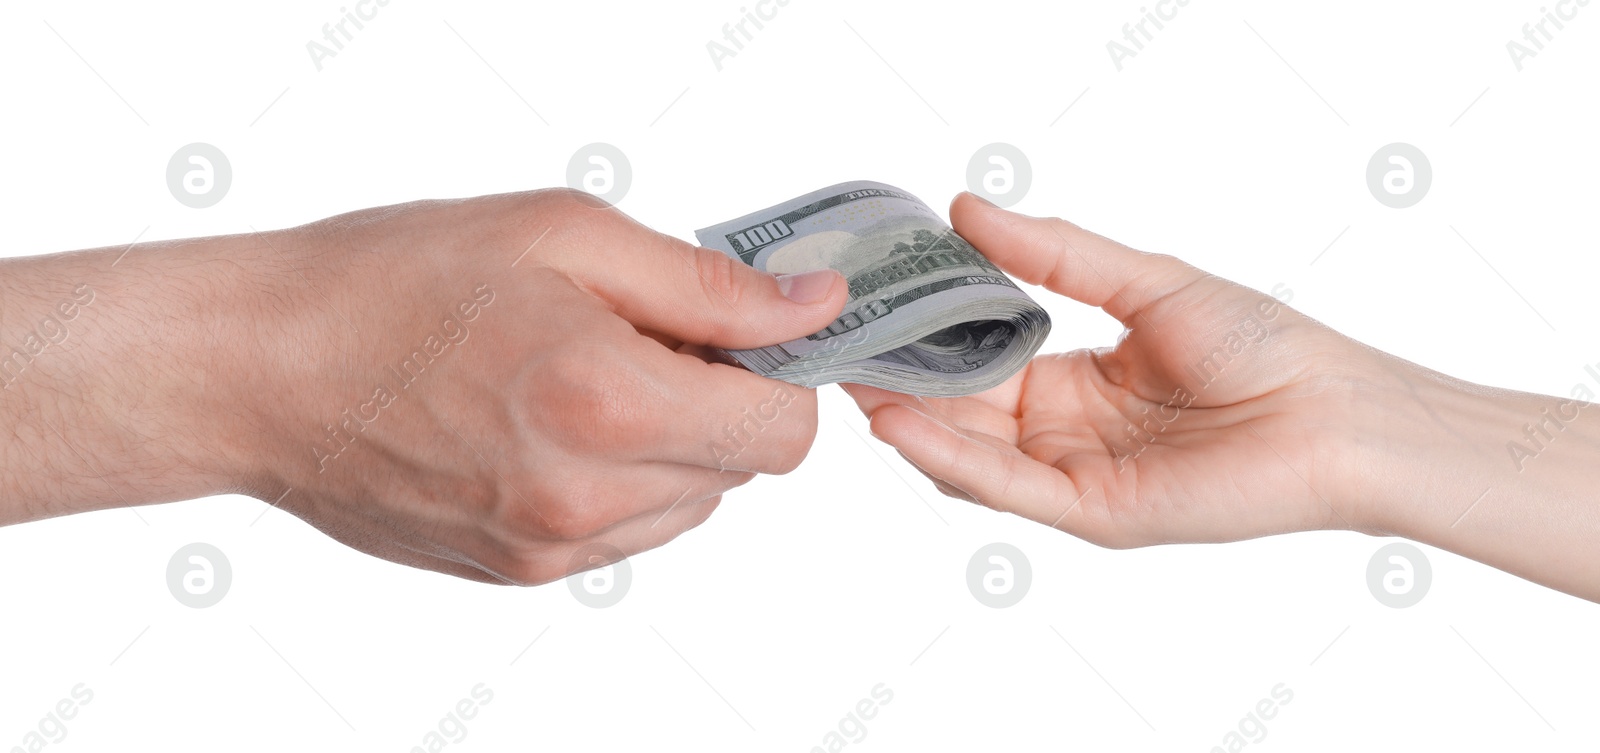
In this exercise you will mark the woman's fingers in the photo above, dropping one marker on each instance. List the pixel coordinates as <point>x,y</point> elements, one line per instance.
<point>991,472</point>
<point>1069,260</point>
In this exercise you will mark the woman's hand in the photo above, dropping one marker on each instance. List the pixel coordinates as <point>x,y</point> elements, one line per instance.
<point>1222,414</point>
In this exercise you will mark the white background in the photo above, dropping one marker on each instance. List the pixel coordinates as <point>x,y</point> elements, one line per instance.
<point>762,629</point>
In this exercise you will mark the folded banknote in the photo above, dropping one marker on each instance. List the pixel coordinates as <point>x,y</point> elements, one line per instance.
<point>928,314</point>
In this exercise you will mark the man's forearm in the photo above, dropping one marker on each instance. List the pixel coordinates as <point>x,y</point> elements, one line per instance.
<point>352,371</point>
<point>106,365</point>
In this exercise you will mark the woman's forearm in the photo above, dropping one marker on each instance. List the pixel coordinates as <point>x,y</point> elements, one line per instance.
<point>1506,478</point>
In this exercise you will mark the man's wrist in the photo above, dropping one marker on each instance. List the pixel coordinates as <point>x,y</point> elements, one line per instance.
<point>116,369</point>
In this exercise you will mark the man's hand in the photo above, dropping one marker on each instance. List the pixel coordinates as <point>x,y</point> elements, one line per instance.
<point>480,387</point>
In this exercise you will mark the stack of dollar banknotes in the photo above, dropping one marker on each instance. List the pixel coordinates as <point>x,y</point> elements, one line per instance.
<point>928,314</point>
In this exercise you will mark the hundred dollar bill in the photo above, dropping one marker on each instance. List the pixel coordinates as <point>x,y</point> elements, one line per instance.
<point>928,314</point>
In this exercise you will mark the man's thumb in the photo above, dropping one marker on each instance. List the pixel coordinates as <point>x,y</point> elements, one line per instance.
<point>704,297</point>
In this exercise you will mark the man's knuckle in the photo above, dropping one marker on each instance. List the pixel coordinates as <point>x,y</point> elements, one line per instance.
<point>791,453</point>
<point>574,525</point>
<point>526,568</point>
<point>717,275</point>
<point>577,508</point>
<point>621,411</point>
<point>568,200</point>
<point>701,512</point>
<point>601,403</point>
<point>723,284</point>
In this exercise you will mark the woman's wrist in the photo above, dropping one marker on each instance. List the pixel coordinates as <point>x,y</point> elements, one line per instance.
<point>1498,476</point>
<point>1425,449</point>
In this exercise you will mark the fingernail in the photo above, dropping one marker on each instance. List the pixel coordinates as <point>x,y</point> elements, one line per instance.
<point>807,287</point>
